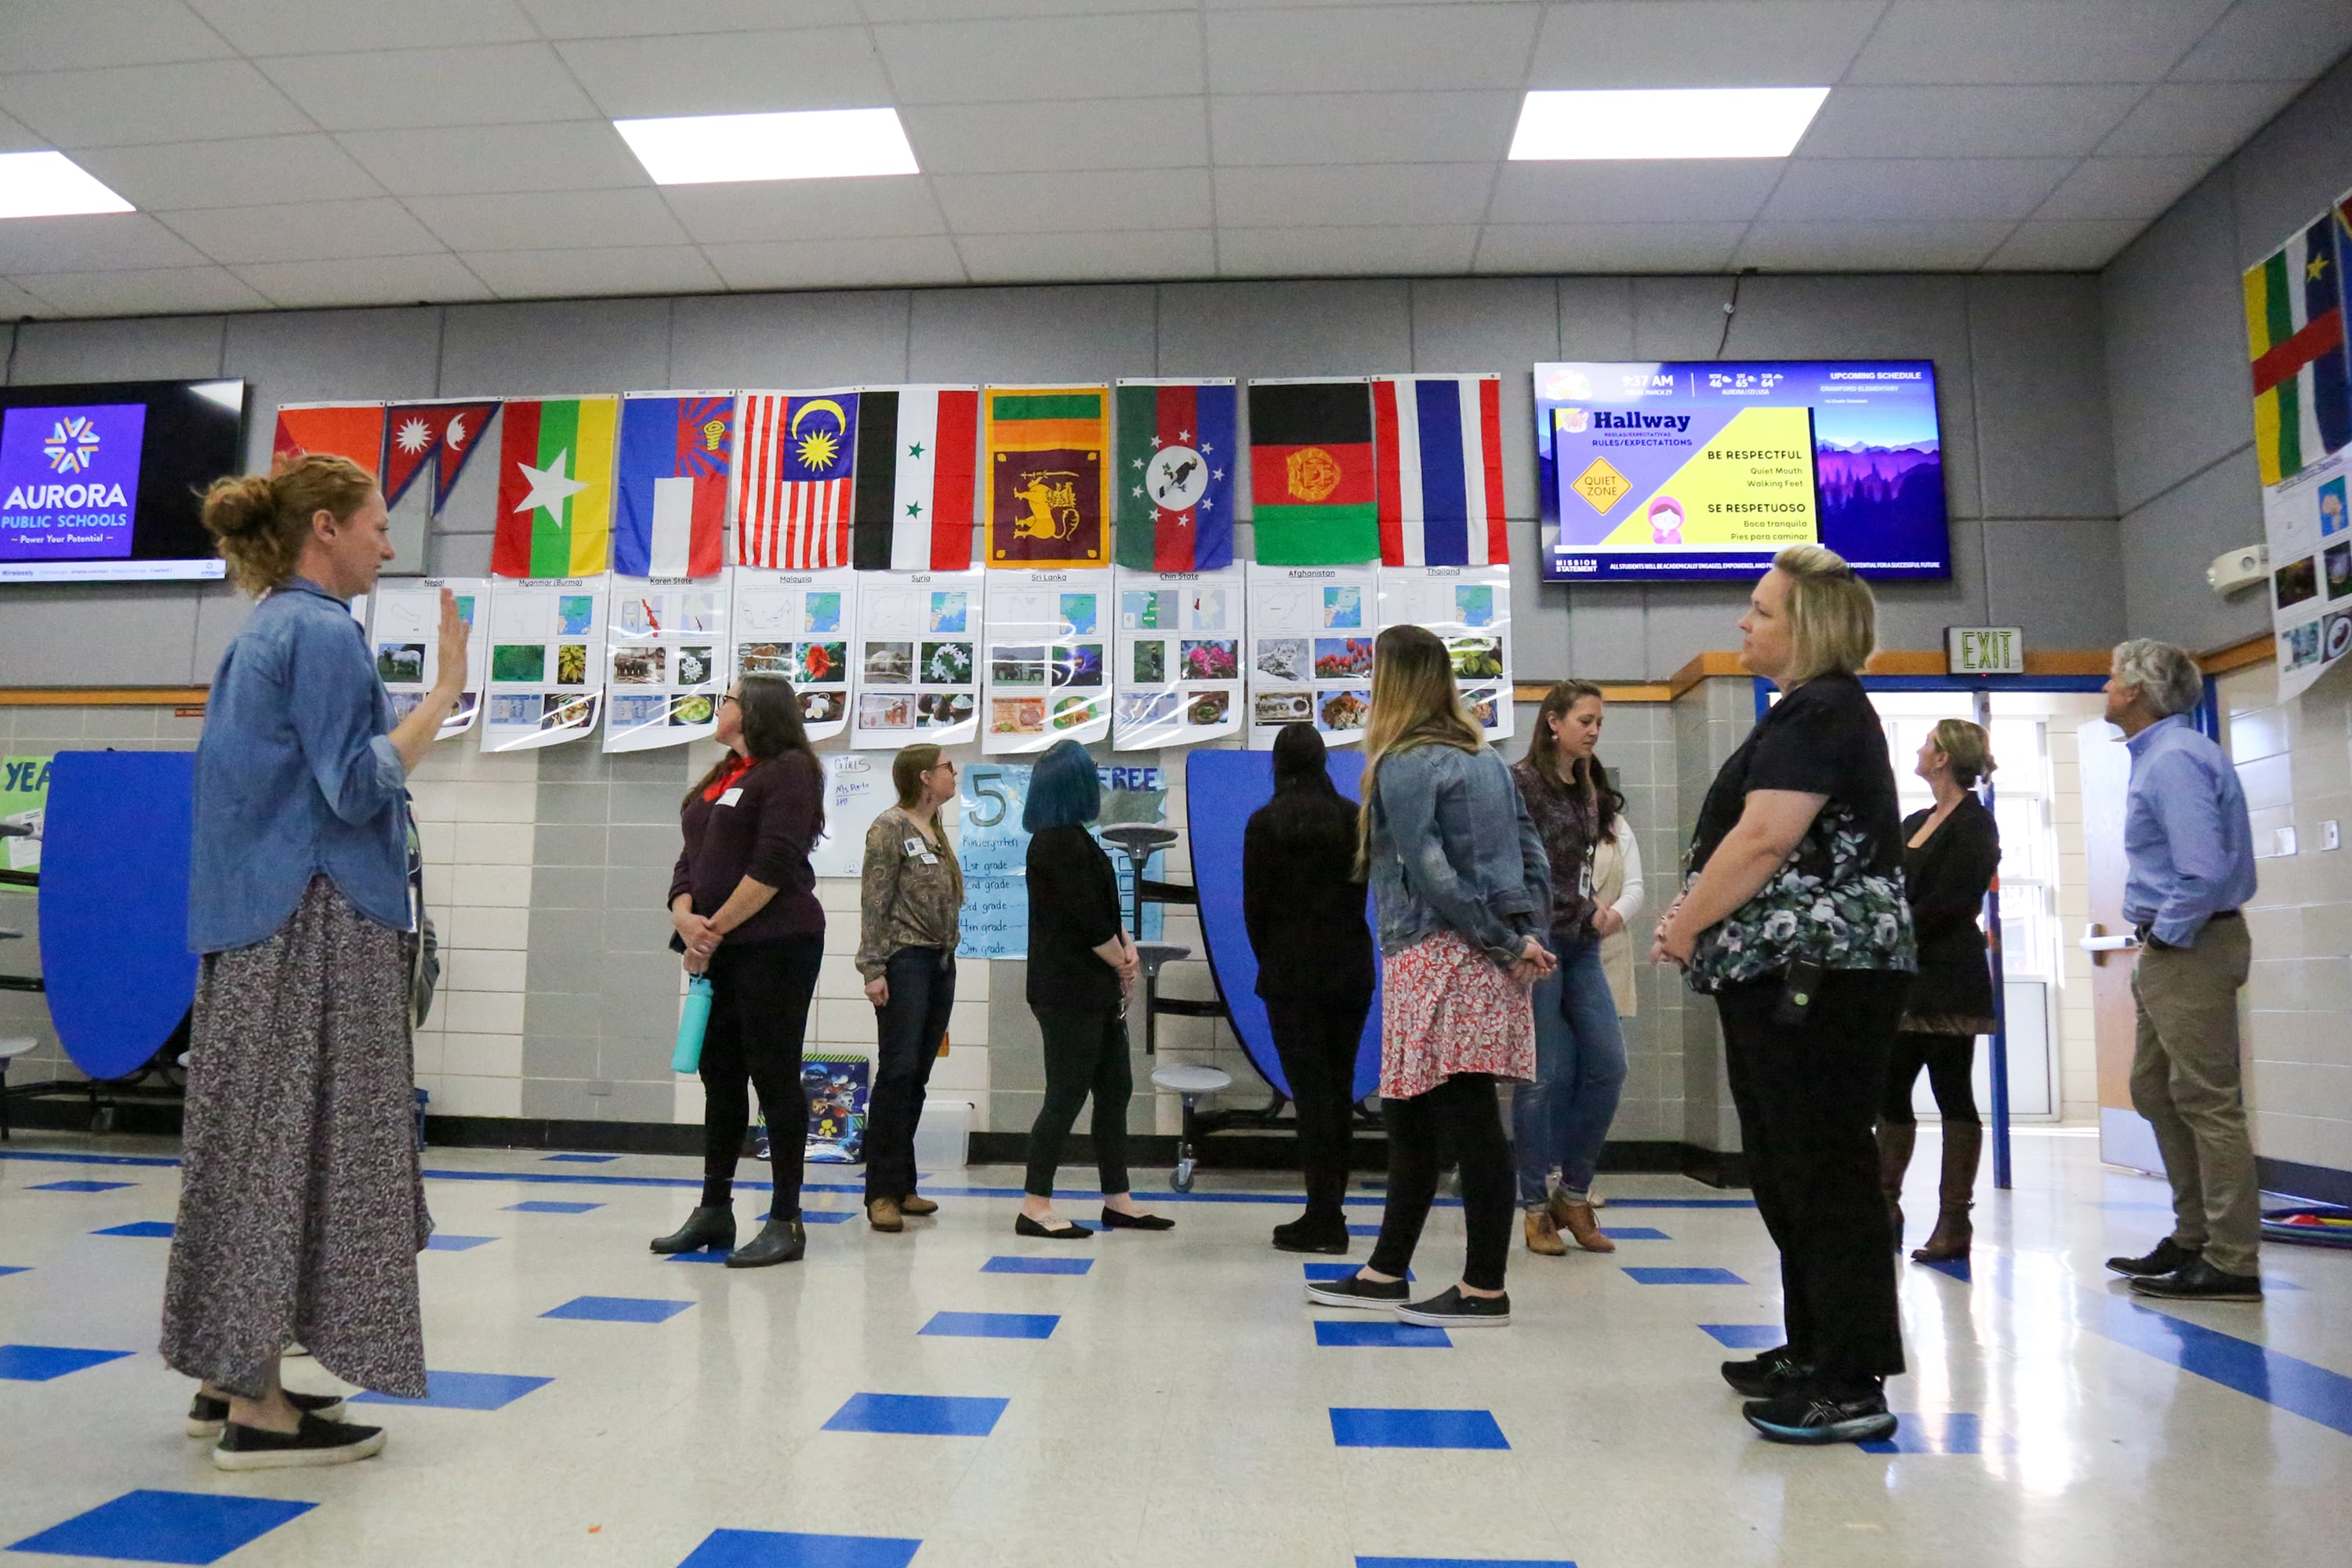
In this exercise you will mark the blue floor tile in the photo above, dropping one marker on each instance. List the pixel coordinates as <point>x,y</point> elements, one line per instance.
<point>581,1159</point>
<point>81,1186</point>
<point>1685,1277</point>
<point>165,1527</point>
<point>543,1205</point>
<point>1037,1266</point>
<point>917,1415</point>
<point>1463,1562</point>
<point>992,1325</point>
<point>8,1269</point>
<point>1374,1428</point>
<point>1319,1273</point>
<point>1335,1333</point>
<point>700,1255</point>
<point>464,1391</point>
<point>1951,1268</point>
<point>39,1363</point>
<point>618,1310</point>
<point>825,1216</point>
<point>1364,1230</point>
<point>1957,1432</point>
<point>773,1549</point>
<point>1633,1233</point>
<point>142,1227</point>
<point>443,1242</point>
<point>1746,1336</point>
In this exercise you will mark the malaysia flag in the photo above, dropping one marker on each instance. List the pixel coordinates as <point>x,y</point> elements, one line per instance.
<point>791,495</point>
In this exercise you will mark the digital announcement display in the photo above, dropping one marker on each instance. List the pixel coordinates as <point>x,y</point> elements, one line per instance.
<point>1703,471</point>
<point>100,482</point>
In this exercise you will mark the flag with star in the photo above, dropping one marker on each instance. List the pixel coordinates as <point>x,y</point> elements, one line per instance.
<point>670,484</point>
<point>795,454</point>
<point>1177,441</point>
<point>438,435</point>
<point>555,488</point>
<point>918,450</point>
<point>2294,341</point>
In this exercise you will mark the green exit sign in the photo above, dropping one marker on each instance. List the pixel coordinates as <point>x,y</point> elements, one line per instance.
<point>1984,650</point>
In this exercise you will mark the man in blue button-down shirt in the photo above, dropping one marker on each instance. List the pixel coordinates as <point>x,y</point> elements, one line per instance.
<point>2190,867</point>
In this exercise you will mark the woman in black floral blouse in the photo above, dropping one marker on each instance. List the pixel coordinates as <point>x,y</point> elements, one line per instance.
<point>1793,917</point>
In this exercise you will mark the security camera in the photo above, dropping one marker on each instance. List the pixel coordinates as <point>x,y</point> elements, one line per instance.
<point>2245,567</point>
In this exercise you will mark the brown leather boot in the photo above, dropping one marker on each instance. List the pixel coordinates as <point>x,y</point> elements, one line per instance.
<point>1895,1142</point>
<point>1577,1220</point>
<point>1963,1144</point>
<point>1543,1237</point>
<point>914,1203</point>
<point>882,1214</point>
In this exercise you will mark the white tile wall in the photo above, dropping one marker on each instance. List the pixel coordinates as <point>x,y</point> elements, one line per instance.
<point>478,852</point>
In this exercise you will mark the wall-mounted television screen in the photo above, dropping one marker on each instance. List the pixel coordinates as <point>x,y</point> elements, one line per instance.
<point>100,481</point>
<point>1701,471</point>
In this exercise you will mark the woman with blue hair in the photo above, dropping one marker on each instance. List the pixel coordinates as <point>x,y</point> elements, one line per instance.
<point>1082,966</point>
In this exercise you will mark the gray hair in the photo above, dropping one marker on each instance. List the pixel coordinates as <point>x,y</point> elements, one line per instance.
<point>2166,675</point>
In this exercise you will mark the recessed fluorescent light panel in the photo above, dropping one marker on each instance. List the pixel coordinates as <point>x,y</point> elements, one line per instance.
<point>50,184</point>
<point>1666,122</point>
<point>804,144</point>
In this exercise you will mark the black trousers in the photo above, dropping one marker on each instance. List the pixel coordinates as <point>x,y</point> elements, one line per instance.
<point>1948,1059</point>
<point>1085,1053</point>
<point>1807,1097</point>
<point>1459,1117</point>
<point>758,1015</point>
<point>908,1029</point>
<point>1318,1046</point>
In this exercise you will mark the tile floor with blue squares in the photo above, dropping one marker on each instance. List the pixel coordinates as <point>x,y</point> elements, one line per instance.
<point>959,1397</point>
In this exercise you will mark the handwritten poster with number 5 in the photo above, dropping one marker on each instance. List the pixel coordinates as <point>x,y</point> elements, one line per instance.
<point>994,850</point>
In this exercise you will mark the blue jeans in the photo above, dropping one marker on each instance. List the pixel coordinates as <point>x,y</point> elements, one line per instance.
<point>1562,1118</point>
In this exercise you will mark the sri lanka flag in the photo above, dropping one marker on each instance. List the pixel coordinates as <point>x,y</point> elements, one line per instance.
<point>555,488</point>
<point>2294,337</point>
<point>672,485</point>
<point>1177,443</point>
<point>1440,444</point>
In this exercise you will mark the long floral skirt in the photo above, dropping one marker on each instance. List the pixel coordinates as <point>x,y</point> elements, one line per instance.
<point>301,1204</point>
<point>1446,1009</point>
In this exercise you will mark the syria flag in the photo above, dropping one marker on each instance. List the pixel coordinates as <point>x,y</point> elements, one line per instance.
<point>1440,444</point>
<point>441,436</point>
<point>1176,449</point>
<point>918,450</point>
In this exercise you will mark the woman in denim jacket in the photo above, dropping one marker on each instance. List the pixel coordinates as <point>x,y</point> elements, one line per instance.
<point>1462,885</point>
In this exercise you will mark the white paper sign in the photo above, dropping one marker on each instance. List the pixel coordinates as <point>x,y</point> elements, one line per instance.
<point>2307,523</point>
<point>665,661</point>
<point>546,661</point>
<point>921,639</point>
<point>1047,679</point>
<point>1310,650</point>
<point>1470,608</point>
<point>857,789</point>
<point>405,633</point>
<point>1177,658</point>
<point>801,626</point>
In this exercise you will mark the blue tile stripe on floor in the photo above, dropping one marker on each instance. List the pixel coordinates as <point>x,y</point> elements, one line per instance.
<point>1633,1233</point>
<point>917,1415</point>
<point>1685,1277</point>
<point>8,1269</point>
<point>541,1205</point>
<point>1463,1562</point>
<point>152,1228</point>
<point>775,1548</point>
<point>1323,1273</point>
<point>1745,1336</point>
<point>1950,1432</point>
<point>2314,1393</point>
<point>1360,1428</point>
<point>618,1310</point>
<point>39,1364</point>
<point>1037,1266</point>
<point>1334,1333</point>
<point>992,1325</point>
<point>464,1391</point>
<point>81,1186</point>
<point>165,1527</point>
<point>441,1241</point>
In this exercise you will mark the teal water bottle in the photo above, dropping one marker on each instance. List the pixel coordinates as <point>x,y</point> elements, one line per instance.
<point>691,1020</point>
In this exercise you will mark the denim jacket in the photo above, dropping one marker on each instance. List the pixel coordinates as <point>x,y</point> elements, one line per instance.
<point>295,776</point>
<point>1452,848</point>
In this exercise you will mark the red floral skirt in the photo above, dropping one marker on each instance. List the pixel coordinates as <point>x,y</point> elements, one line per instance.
<point>1445,1009</point>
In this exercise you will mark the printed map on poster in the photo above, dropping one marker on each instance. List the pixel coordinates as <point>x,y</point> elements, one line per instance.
<point>918,658</point>
<point>546,650</point>
<point>1178,657</point>
<point>801,626</point>
<point>1310,642</point>
<point>666,663</point>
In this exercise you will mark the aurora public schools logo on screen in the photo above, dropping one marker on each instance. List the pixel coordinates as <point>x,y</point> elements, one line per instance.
<point>72,444</point>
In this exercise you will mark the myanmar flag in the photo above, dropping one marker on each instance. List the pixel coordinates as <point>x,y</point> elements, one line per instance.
<point>1048,480</point>
<point>1311,474</point>
<point>2294,337</point>
<point>1176,450</point>
<point>555,488</point>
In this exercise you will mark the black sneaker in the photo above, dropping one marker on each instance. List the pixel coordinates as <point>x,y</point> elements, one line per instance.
<point>2197,1280</point>
<point>1373,1294</point>
<point>315,1442</point>
<point>1822,1415</point>
<point>1453,1309</point>
<point>1773,1373</point>
<point>2168,1258</point>
<point>1311,1235</point>
<point>207,1416</point>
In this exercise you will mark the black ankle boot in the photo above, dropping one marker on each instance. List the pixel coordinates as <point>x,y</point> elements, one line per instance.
<point>710,1224</point>
<point>779,1241</point>
<point>1312,1233</point>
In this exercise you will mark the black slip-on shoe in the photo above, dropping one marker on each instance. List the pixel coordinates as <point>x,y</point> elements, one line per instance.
<point>207,1416</point>
<point>2168,1258</point>
<point>1821,1416</point>
<point>316,1441</point>
<point>1354,1291</point>
<point>1773,1373</point>
<point>1114,1220</point>
<point>1311,1235</point>
<point>1023,1226</point>
<point>1450,1308</point>
<point>2200,1281</point>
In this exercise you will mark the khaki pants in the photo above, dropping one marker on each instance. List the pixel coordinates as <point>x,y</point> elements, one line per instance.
<point>2186,1080</point>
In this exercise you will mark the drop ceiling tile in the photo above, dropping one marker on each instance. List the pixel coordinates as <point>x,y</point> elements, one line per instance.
<point>1346,194</point>
<point>1608,247</point>
<point>2038,247</point>
<point>1148,56</point>
<point>1081,133</point>
<point>16,304</point>
<point>489,84</point>
<point>15,137</point>
<point>2181,118</point>
<point>92,244</point>
<point>1966,121</point>
<point>2044,41</point>
<point>548,220</point>
<point>309,231</point>
<point>729,73</point>
<point>1361,127</point>
<point>257,171</point>
<point>67,35</point>
<point>1399,49</point>
<point>1865,190</point>
<point>1067,257</point>
<point>206,100</point>
<point>665,19</point>
<point>1054,203</point>
<point>871,208</point>
<point>1869,246</point>
<point>371,281</point>
<point>980,10</point>
<point>589,272</point>
<point>1700,43</point>
<point>838,263</point>
<point>1420,251</point>
<point>335,26</point>
<point>567,155</point>
<point>2271,39</point>
<point>2118,188</point>
<point>1694,191</point>
<point>143,291</point>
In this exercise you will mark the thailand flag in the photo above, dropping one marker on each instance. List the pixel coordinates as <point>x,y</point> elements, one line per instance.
<point>672,480</point>
<point>1438,444</point>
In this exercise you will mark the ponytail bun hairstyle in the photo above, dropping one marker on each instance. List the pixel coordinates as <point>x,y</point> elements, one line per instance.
<point>262,520</point>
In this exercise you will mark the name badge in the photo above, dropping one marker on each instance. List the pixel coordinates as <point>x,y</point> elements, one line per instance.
<point>732,796</point>
<point>914,847</point>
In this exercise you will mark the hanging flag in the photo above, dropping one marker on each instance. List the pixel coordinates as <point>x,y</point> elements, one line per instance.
<point>1048,483</point>
<point>439,435</point>
<point>670,487</point>
<point>1176,449</point>
<point>916,449</point>
<point>353,431</point>
<point>555,488</point>
<point>1440,485</point>
<point>795,454</point>
<point>1311,484</point>
<point>2294,337</point>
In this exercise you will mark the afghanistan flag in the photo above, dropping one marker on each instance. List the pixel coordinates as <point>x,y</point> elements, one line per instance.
<point>353,431</point>
<point>797,452</point>
<point>1311,483</point>
<point>1440,440</point>
<point>2295,336</point>
<point>555,488</point>
<point>671,485</point>
<point>439,435</point>
<point>1047,480</point>
<point>1176,448</point>
<point>916,448</point>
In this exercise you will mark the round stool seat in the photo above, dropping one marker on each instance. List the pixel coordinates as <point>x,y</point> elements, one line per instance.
<point>1181,1078</point>
<point>16,1046</point>
<point>1158,955</point>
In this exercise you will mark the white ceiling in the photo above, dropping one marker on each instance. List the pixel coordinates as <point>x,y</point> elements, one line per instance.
<point>308,152</point>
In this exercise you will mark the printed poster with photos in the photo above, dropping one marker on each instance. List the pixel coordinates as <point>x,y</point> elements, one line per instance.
<point>2308,526</point>
<point>547,653</point>
<point>801,626</point>
<point>918,658</point>
<point>405,633</point>
<point>665,661</point>
<point>1470,608</point>
<point>1310,650</point>
<point>1178,657</point>
<point>1049,645</point>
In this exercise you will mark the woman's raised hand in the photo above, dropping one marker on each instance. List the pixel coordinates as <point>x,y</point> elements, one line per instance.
<point>455,635</point>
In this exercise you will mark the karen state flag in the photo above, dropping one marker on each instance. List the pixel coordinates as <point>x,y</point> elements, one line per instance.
<point>1312,490</point>
<point>918,447</point>
<point>555,488</point>
<point>672,485</point>
<point>1047,476</point>
<point>1175,484</point>
<point>1440,443</point>
<point>2295,338</point>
